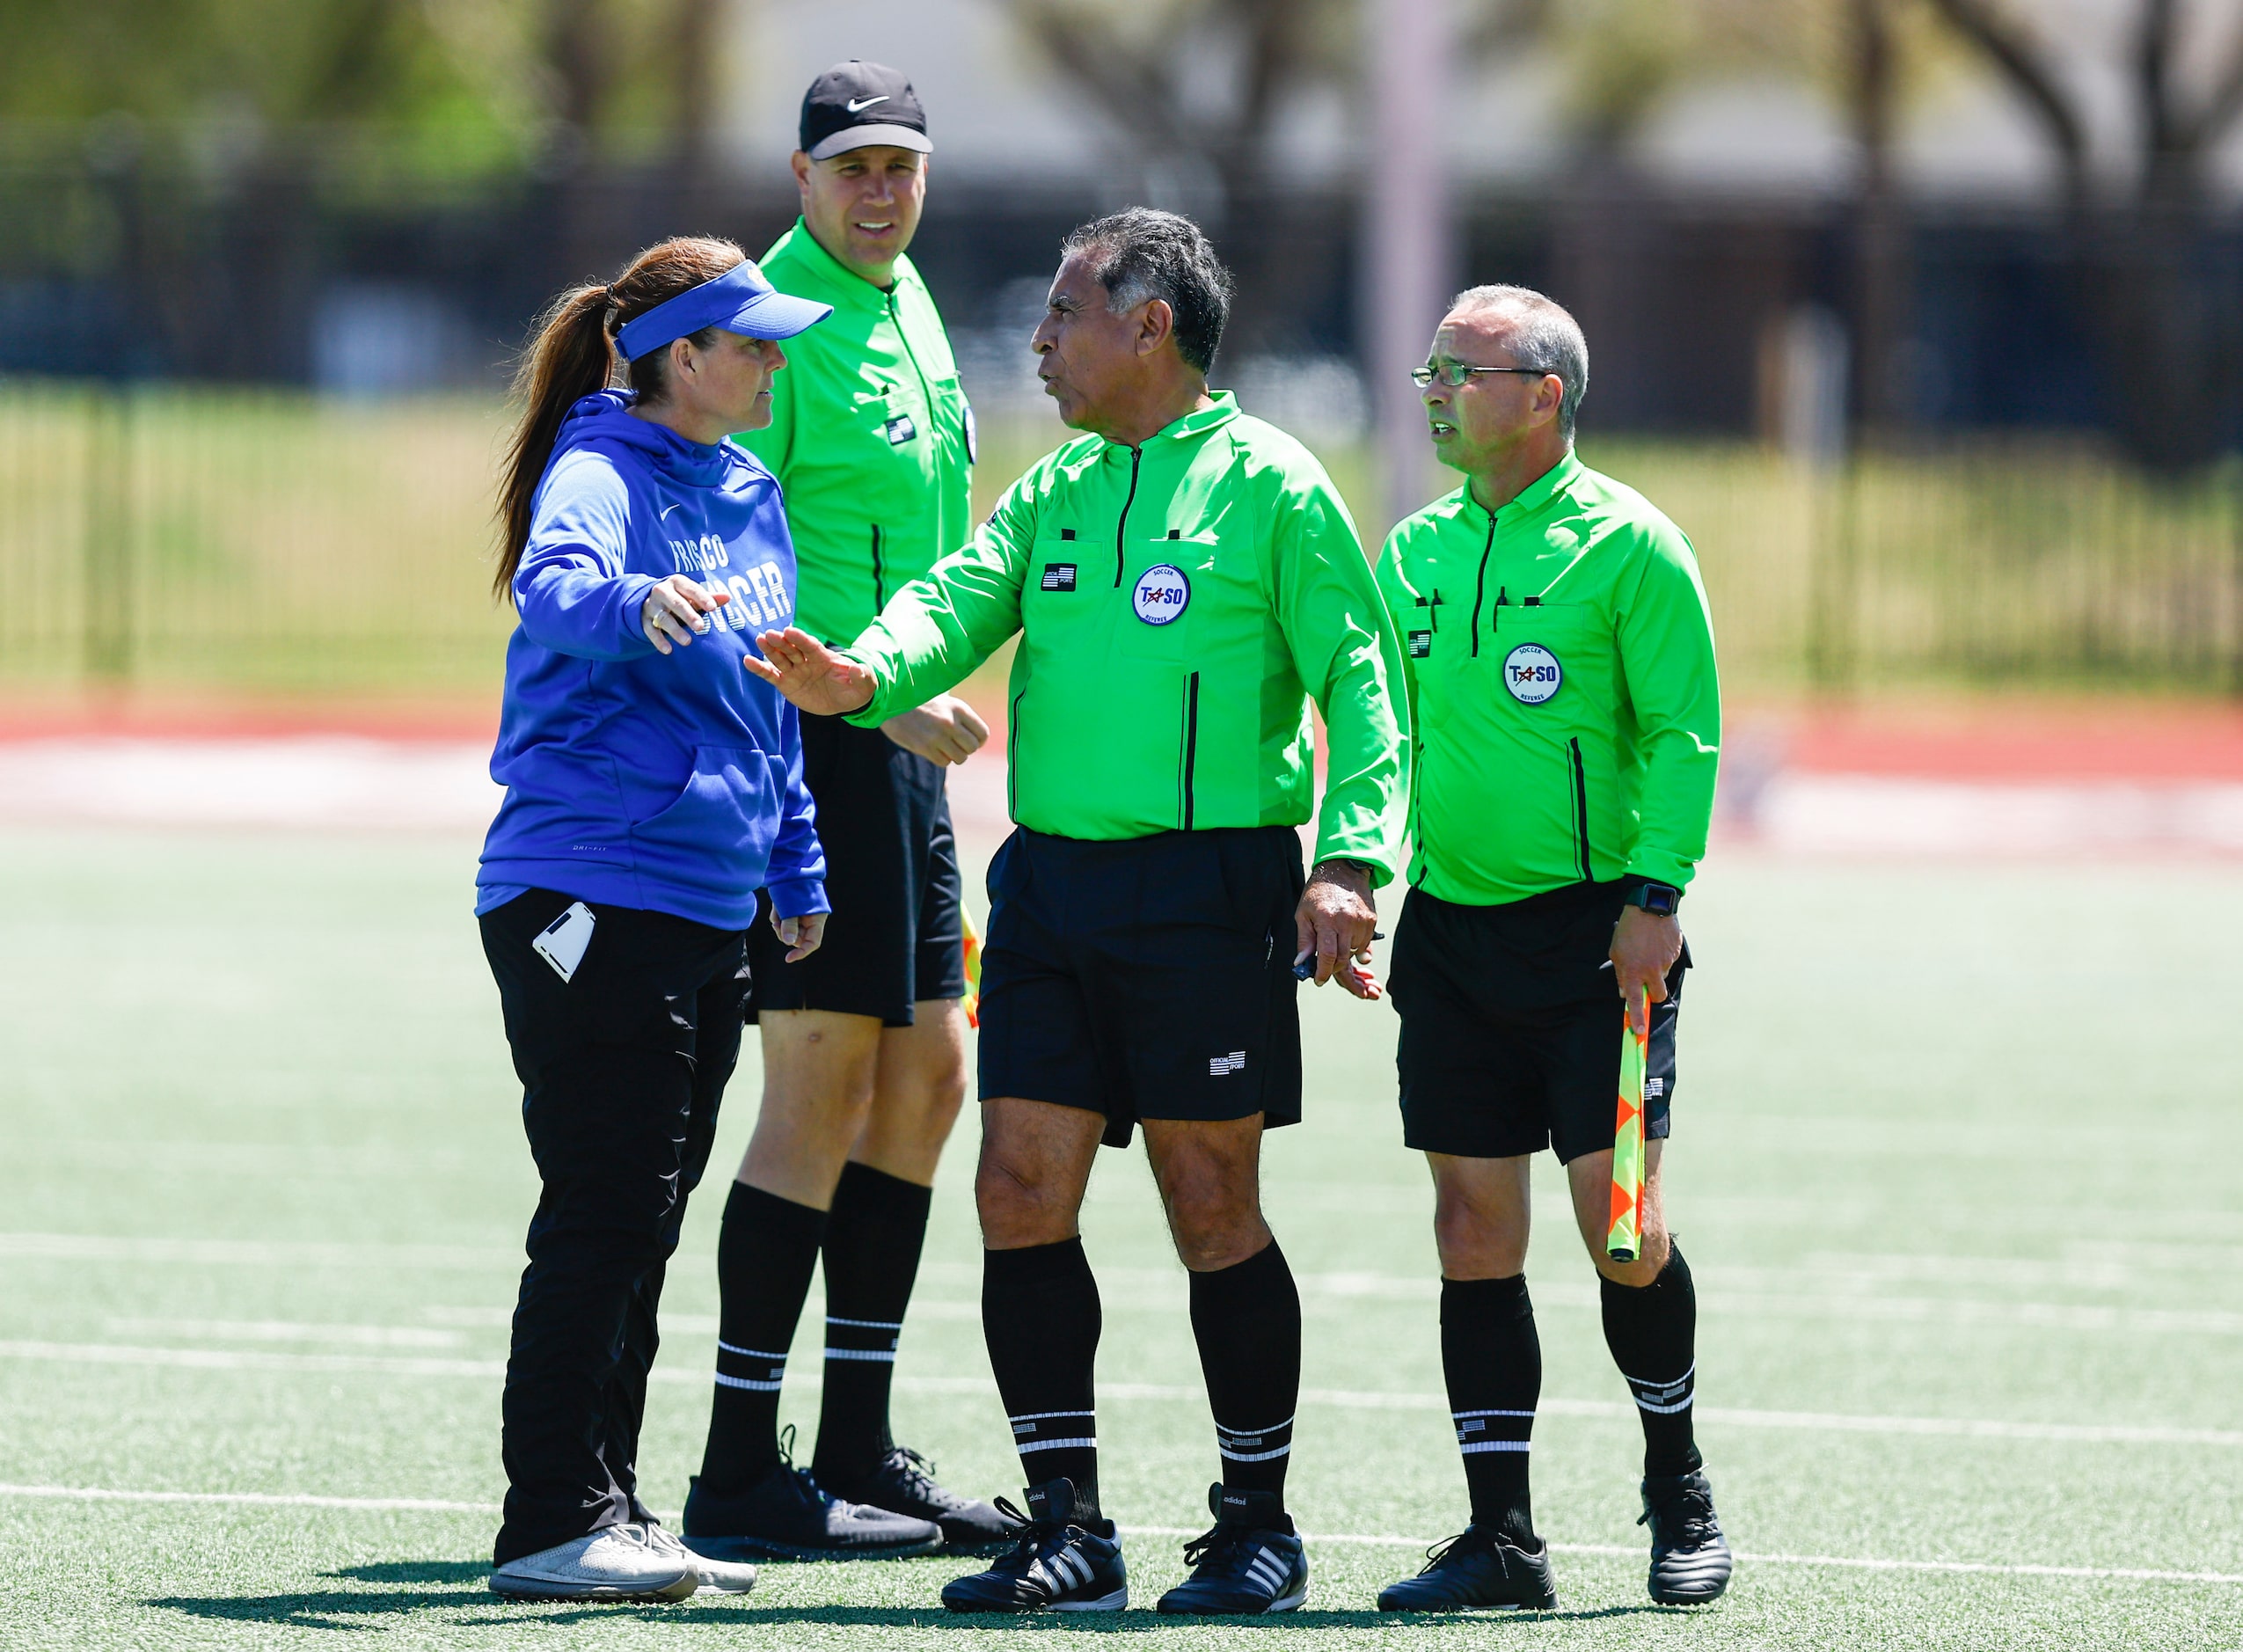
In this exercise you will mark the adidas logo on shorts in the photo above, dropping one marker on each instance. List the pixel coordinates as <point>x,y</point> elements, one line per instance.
<point>1235,1062</point>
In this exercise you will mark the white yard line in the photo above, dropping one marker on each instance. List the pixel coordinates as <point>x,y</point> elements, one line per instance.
<point>102,1493</point>
<point>350,783</point>
<point>1343,1399</point>
<point>432,1505</point>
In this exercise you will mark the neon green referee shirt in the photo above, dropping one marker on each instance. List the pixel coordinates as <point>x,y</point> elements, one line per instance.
<point>1560,670</point>
<point>1177,605</point>
<point>871,437</point>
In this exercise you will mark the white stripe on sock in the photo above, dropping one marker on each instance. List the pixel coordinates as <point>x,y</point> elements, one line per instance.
<point>1043,1416</point>
<point>868,1325</point>
<point>724,1347</point>
<point>1272,1429</point>
<point>1461,1415</point>
<point>1024,1447</point>
<point>1496,1446</point>
<point>886,1354</point>
<point>1229,1456</point>
<point>724,1381</point>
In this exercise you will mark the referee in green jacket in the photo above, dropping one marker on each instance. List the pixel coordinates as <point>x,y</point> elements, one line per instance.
<point>864,1052</point>
<point>1184,580</point>
<point>1566,724</point>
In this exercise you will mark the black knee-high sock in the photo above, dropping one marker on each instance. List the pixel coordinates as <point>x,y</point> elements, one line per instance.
<point>873,1235</point>
<point>1493,1359</point>
<point>1040,1314</point>
<point>765,1252</point>
<point>1652,1331</point>
<point>1246,1318</point>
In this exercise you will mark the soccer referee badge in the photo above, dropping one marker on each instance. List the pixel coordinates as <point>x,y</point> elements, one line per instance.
<point>1163,593</point>
<point>1532,674</point>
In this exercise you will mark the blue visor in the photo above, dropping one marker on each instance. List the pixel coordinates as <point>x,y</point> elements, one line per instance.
<point>738,301</point>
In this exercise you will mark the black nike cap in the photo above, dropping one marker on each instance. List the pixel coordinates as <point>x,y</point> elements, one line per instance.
<point>855,105</point>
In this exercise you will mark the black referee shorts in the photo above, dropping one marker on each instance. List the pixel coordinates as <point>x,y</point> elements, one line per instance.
<point>1511,1034</point>
<point>1150,977</point>
<point>895,936</point>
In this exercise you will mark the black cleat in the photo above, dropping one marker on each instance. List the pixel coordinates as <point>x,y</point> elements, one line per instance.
<point>1477,1569</point>
<point>904,1483</point>
<point>1059,1561</point>
<point>1252,1561</point>
<point>785,1516</point>
<point>1690,1558</point>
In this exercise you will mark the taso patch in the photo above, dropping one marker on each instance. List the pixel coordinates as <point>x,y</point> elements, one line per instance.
<point>1058,577</point>
<point>901,429</point>
<point>1532,674</point>
<point>1162,595</point>
<point>1421,644</point>
<point>1219,1065</point>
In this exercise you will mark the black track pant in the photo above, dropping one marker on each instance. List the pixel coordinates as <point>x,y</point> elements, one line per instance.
<point>622,1069</point>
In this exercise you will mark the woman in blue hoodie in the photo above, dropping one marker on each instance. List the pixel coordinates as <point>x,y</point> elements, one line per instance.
<point>652,786</point>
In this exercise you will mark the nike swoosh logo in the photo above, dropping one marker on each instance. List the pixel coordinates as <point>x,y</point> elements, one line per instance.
<point>857,106</point>
<point>665,511</point>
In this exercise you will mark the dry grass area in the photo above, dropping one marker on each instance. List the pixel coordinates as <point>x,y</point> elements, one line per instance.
<point>269,541</point>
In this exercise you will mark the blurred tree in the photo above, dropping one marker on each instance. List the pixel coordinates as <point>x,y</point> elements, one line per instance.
<point>461,85</point>
<point>2143,226</point>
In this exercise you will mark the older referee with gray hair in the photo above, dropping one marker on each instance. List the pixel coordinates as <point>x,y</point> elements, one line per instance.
<point>1568,726</point>
<point>1184,580</point>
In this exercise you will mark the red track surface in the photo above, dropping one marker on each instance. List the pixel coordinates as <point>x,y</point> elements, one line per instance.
<point>1985,740</point>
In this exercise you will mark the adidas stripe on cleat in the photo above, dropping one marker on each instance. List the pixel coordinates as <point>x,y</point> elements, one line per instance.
<point>1060,1561</point>
<point>1690,1561</point>
<point>1252,1561</point>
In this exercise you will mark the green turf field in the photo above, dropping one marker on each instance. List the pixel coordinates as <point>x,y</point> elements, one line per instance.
<point>1954,1166</point>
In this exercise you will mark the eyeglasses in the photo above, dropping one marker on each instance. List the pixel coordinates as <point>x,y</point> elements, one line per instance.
<point>1454,374</point>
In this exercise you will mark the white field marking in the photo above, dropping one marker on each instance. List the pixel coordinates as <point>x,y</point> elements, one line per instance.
<point>1341,1399</point>
<point>289,1331</point>
<point>100,1493</point>
<point>1849,1561</point>
<point>98,1247</point>
<point>1165,1286</point>
<point>432,1505</point>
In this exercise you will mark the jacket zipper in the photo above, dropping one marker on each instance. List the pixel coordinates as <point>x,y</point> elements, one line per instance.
<point>879,587</point>
<point>1191,744</point>
<point>1121,526</point>
<point>1012,751</point>
<point>1479,585</point>
<point>926,394</point>
<point>1581,807</point>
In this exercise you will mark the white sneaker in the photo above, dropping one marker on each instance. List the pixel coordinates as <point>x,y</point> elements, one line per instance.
<point>722,1577</point>
<point>614,1563</point>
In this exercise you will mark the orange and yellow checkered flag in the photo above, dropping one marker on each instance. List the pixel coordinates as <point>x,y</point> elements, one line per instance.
<point>1624,1241</point>
<point>973,999</point>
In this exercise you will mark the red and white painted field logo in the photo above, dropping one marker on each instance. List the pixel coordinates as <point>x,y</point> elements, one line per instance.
<point>1532,674</point>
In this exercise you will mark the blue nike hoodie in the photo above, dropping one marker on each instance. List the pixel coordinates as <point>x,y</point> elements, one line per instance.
<point>666,782</point>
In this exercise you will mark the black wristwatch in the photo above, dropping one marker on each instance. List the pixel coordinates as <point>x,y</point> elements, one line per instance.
<point>1661,900</point>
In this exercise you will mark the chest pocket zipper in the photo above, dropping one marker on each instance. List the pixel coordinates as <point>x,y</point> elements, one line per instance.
<point>1580,806</point>
<point>1188,762</point>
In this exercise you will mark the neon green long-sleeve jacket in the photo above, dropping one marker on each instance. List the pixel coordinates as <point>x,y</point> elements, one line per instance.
<point>1561,669</point>
<point>1177,605</point>
<point>871,437</point>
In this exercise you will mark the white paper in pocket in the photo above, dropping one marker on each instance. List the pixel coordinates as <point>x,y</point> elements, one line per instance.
<point>561,943</point>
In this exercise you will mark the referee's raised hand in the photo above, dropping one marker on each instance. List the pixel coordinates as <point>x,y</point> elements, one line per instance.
<point>673,609</point>
<point>814,677</point>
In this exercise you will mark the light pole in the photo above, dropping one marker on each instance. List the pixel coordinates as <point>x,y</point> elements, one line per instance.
<point>1409,260</point>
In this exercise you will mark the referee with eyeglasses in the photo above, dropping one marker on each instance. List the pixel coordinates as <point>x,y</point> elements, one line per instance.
<point>1567,727</point>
